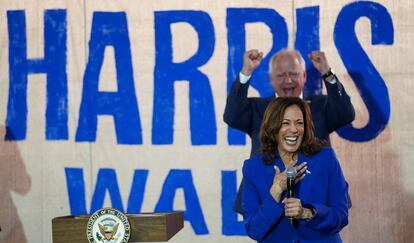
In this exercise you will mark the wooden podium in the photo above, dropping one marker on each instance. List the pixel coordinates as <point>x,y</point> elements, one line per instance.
<point>145,227</point>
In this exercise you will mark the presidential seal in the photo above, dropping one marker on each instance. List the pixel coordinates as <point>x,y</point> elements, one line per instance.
<point>108,225</point>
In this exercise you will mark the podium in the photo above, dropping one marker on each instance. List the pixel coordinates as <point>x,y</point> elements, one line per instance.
<point>145,227</point>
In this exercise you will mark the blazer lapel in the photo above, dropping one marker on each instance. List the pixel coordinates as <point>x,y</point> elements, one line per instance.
<point>307,182</point>
<point>270,174</point>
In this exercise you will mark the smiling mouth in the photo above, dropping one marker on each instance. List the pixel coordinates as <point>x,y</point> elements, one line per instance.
<point>291,140</point>
<point>289,91</point>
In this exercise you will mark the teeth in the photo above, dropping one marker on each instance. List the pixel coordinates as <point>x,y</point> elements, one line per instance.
<point>292,139</point>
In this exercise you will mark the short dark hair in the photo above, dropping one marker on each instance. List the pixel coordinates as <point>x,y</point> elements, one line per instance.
<point>272,122</point>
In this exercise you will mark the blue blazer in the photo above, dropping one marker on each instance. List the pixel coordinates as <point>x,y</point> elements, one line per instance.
<point>329,112</point>
<point>325,190</point>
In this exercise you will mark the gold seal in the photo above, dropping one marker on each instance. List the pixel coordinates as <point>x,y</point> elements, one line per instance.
<point>108,225</point>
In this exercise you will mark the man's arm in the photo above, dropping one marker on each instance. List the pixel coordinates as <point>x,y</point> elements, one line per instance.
<point>238,113</point>
<point>339,109</point>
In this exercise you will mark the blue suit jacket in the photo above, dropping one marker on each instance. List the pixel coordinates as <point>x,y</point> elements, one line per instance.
<point>325,189</point>
<point>329,112</point>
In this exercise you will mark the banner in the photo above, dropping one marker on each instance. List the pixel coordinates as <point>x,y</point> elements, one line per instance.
<point>120,103</point>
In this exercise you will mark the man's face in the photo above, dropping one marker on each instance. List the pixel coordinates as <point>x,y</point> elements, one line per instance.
<point>287,75</point>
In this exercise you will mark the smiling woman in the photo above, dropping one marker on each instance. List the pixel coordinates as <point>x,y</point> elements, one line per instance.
<point>291,131</point>
<point>285,133</point>
<point>287,140</point>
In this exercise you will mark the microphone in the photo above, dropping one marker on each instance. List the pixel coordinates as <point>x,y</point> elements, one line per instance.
<point>291,176</point>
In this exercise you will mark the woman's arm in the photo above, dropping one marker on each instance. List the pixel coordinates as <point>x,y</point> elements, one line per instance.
<point>260,215</point>
<point>332,216</point>
<point>263,215</point>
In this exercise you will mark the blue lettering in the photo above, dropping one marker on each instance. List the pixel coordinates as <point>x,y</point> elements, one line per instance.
<point>237,18</point>
<point>369,82</point>
<point>136,196</point>
<point>202,115</point>
<point>183,179</point>
<point>307,40</point>
<point>106,181</point>
<point>109,29</point>
<point>230,224</point>
<point>76,190</point>
<point>53,65</point>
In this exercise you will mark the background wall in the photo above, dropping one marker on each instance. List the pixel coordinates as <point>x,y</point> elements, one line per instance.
<point>120,103</point>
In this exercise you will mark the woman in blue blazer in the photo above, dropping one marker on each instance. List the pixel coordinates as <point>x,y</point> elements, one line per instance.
<point>320,209</point>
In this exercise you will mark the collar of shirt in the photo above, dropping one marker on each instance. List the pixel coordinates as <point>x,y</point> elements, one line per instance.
<point>300,96</point>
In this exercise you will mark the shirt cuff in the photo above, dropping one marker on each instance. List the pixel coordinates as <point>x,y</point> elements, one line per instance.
<point>243,78</point>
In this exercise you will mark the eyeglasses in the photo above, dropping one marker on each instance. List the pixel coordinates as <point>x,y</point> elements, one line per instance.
<point>282,76</point>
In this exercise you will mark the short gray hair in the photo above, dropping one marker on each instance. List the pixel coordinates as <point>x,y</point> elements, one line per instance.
<point>283,51</point>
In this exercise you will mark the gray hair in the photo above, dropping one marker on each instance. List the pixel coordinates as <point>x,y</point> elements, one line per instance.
<point>283,51</point>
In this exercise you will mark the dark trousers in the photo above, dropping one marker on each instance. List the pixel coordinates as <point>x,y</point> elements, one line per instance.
<point>237,205</point>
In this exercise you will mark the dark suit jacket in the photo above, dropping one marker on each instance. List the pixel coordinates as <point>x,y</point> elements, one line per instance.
<point>325,190</point>
<point>329,112</point>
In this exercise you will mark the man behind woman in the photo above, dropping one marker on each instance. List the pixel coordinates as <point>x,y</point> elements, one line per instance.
<point>320,205</point>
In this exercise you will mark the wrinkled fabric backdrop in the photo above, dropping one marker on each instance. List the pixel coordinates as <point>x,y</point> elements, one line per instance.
<point>120,103</point>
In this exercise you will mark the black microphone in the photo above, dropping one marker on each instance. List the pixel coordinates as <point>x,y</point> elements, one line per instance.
<point>291,176</point>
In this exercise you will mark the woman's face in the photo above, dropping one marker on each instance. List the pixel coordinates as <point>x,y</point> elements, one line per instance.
<point>291,131</point>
